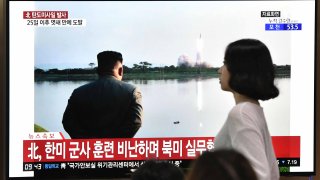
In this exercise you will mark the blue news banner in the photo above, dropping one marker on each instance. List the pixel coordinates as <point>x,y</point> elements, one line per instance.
<point>283,27</point>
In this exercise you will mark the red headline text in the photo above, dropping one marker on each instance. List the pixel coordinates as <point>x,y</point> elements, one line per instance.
<point>114,149</point>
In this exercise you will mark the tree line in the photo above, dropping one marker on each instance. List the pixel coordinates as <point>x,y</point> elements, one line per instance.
<point>146,67</point>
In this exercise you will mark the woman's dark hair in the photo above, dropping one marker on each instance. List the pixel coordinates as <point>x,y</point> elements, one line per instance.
<point>251,69</point>
<point>158,170</point>
<point>224,164</point>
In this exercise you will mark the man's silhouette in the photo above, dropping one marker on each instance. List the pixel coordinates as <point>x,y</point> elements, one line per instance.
<point>107,107</point>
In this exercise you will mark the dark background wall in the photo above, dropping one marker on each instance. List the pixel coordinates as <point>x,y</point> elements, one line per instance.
<point>3,96</point>
<point>2,87</point>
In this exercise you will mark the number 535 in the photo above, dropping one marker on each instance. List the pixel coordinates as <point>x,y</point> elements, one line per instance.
<point>292,26</point>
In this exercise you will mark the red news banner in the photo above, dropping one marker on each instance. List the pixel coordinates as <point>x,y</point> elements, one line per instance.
<point>45,14</point>
<point>71,150</point>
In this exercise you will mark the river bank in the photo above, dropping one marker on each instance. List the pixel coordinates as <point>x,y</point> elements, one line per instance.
<point>138,76</point>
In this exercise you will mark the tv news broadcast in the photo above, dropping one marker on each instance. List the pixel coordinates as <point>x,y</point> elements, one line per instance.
<point>172,52</point>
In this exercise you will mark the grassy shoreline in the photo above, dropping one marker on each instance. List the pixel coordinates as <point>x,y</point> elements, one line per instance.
<point>38,128</point>
<point>137,76</point>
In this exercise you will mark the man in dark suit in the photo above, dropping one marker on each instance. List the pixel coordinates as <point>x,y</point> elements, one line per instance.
<point>107,107</point>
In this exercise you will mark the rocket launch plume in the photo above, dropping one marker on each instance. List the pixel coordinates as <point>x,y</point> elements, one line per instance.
<point>199,50</point>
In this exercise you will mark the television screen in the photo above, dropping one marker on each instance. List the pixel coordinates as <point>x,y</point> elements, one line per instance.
<point>172,52</point>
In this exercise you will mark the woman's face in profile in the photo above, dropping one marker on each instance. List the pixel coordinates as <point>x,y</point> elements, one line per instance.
<point>224,76</point>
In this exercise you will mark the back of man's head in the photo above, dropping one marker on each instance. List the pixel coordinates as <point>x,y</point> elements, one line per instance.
<point>107,61</point>
<point>158,170</point>
<point>222,164</point>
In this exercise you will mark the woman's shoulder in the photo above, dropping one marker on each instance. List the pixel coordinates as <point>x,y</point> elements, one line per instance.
<point>245,108</point>
<point>246,113</point>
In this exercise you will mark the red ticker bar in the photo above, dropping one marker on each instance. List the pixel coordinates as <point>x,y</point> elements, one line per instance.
<point>286,146</point>
<point>70,150</point>
<point>114,149</point>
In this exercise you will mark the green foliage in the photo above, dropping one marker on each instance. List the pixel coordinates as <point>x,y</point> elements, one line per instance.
<point>38,128</point>
<point>283,71</point>
<point>39,71</point>
<point>142,70</point>
<point>284,169</point>
<point>91,65</point>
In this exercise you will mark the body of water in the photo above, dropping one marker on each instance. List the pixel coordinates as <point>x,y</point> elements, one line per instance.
<point>200,106</point>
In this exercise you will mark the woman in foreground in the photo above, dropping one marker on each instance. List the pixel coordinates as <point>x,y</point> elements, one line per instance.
<point>248,73</point>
